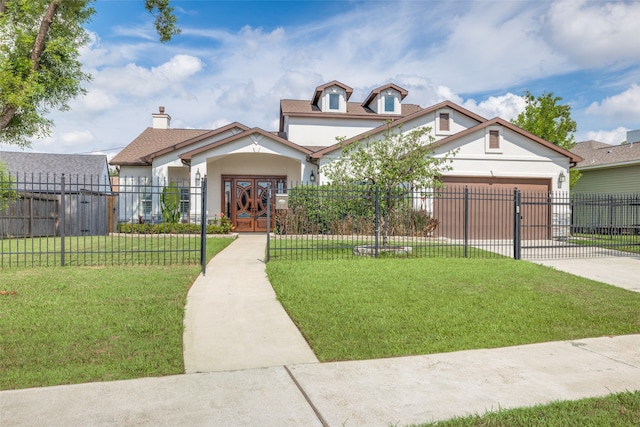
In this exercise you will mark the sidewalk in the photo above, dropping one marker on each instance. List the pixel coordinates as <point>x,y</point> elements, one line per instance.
<point>381,392</point>
<point>248,365</point>
<point>233,319</point>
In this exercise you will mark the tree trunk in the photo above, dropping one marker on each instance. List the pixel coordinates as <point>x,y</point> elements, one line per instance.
<point>36,53</point>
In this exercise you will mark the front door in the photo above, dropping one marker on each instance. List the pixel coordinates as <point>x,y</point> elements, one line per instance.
<point>246,198</point>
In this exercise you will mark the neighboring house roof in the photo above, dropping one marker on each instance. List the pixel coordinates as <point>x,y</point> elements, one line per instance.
<point>45,169</point>
<point>375,92</point>
<point>151,141</point>
<point>54,164</point>
<point>271,135</point>
<point>381,129</point>
<point>597,154</point>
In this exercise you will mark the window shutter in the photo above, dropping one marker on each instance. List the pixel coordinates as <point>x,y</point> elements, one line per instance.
<point>444,121</point>
<point>494,139</point>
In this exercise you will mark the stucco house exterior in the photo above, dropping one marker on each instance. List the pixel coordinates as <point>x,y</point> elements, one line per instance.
<point>609,169</point>
<point>240,161</point>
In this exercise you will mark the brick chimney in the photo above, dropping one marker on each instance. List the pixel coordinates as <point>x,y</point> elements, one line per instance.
<point>161,120</point>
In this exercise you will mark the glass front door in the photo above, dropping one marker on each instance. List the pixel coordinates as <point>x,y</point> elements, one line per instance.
<point>246,201</point>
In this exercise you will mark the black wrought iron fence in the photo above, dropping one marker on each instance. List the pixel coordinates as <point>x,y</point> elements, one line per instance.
<point>91,220</point>
<point>338,221</point>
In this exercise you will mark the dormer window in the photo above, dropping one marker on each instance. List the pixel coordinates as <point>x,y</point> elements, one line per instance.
<point>389,103</point>
<point>334,101</point>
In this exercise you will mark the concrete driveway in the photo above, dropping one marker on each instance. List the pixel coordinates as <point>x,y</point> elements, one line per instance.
<point>617,271</point>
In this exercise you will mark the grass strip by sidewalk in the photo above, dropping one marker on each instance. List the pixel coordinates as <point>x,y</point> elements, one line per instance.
<point>615,410</point>
<point>373,308</point>
<point>82,324</point>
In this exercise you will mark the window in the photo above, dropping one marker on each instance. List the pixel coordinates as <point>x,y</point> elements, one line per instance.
<point>146,202</point>
<point>389,104</point>
<point>184,202</point>
<point>444,122</point>
<point>494,139</point>
<point>334,101</point>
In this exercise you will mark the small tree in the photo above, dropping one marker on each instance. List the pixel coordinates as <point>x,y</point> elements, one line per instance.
<point>397,164</point>
<point>545,117</point>
<point>7,189</point>
<point>170,203</point>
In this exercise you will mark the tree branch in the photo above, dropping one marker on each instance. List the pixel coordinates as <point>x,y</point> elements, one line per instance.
<point>45,24</point>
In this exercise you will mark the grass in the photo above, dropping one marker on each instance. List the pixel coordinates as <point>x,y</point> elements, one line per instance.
<point>330,248</point>
<point>371,308</point>
<point>133,249</point>
<point>68,325</point>
<point>615,410</point>
<point>625,243</point>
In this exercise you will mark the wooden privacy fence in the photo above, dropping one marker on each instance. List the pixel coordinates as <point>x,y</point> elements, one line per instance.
<point>41,215</point>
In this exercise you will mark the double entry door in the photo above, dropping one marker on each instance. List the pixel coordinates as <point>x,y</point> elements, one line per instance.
<point>246,200</point>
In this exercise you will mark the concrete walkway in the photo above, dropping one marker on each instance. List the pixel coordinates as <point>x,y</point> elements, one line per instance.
<point>249,366</point>
<point>233,319</point>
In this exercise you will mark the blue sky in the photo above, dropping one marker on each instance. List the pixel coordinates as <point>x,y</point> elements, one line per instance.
<point>235,60</point>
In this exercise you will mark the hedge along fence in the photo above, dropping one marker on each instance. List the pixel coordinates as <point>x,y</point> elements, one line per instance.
<point>220,225</point>
<point>337,209</point>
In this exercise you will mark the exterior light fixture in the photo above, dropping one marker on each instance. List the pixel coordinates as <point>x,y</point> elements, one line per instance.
<point>562,177</point>
<point>198,176</point>
<point>312,178</point>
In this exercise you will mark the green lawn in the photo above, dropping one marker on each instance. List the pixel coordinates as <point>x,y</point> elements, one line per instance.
<point>625,243</point>
<point>371,308</point>
<point>616,410</point>
<point>120,249</point>
<point>65,325</point>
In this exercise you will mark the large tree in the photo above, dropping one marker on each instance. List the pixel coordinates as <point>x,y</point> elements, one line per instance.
<point>399,163</point>
<point>545,117</point>
<point>39,60</point>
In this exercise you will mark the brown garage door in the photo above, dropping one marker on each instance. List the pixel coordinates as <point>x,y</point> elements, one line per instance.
<point>490,207</point>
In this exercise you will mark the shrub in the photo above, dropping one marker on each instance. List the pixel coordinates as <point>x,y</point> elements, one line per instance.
<point>220,225</point>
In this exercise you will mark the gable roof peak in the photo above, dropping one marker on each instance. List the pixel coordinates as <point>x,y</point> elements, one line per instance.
<point>377,91</point>
<point>318,93</point>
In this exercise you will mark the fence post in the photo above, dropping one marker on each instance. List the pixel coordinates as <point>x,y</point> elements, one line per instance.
<point>377,220</point>
<point>63,209</point>
<point>268,255</point>
<point>466,221</point>
<point>203,226</point>
<point>517,222</point>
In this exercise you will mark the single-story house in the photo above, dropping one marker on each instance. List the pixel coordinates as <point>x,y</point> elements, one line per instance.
<point>609,169</point>
<point>37,180</point>
<point>240,161</point>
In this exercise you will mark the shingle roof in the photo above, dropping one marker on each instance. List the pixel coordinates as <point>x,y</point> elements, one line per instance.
<point>151,141</point>
<point>42,171</point>
<point>595,153</point>
<point>295,107</point>
<point>47,163</point>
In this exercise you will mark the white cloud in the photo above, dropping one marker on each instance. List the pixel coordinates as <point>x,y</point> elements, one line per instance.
<point>625,105</point>
<point>96,100</point>
<point>506,106</point>
<point>135,80</point>
<point>614,137</point>
<point>595,34</point>
<point>76,137</point>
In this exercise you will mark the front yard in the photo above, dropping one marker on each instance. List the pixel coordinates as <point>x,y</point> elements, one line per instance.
<point>370,308</point>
